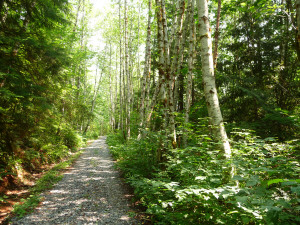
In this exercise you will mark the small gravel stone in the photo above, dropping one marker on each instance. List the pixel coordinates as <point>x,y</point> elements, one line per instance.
<point>91,192</point>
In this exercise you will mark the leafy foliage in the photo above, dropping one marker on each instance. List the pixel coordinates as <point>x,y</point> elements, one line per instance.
<point>39,55</point>
<point>189,187</point>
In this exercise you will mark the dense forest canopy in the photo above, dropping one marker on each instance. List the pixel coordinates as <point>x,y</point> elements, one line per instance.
<point>201,100</point>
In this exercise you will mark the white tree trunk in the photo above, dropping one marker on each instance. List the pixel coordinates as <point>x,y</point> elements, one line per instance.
<point>116,92</point>
<point>112,106</point>
<point>208,77</point>
<point>177,36</point>
<point>179,61</point>
<point>95,94</point>
<point>189,87</point>
<point>120,75</point>
<point>147,71</point>
<point>161,79</point>
<point>128,82</point>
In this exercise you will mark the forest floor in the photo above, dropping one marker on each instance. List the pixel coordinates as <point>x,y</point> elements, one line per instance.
<point>91,192</point>
<point>15,190</point>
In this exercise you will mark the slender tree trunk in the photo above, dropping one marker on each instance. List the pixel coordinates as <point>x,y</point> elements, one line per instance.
<point>138,52</point>
<point>168,97</point>
<point>95,94</point>
<point>117,125</point>
<point>165,67</point>
<point>147,71</point>
<point>120,68</point>
<point>77,15</point>
<point>172,76</point>
<point>161,63</point>
<point>179,90</point>
<point>127,70</point>
<point>215,55</point>
<point>131,61</point>
<point>165,37</point>
<point>208,77</point>
<point>112,107</point>
<point>190,66</point>
<point>161,79</point>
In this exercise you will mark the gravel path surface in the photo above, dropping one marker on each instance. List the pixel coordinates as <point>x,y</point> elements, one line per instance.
<point>91,192</point>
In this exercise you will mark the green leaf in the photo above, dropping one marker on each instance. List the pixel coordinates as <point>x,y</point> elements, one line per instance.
<point>275,181</point>
<point>296,190</point>
<point>284,182</point>
<point>253,181</point>
<point>245,219</point>
<point>238,177</point>
<point>242,199</point>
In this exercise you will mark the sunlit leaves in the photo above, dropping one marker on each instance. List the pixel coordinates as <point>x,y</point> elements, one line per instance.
<point>190,187</point>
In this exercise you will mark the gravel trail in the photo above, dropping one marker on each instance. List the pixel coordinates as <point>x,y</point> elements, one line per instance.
<point>91,192</point>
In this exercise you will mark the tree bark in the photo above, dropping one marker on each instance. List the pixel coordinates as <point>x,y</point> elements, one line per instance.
<point>161,79</point>
<point>95,94</point>
<point>147,71</point>
<point>215,55</point>
<point>190,66</point>
<point>172,76</point>
<point>128,107</point>
<point>120,68</point>
<point>179,86</point>
<point>208,77</point>
<point>117,124</point>
<point>112,106</point>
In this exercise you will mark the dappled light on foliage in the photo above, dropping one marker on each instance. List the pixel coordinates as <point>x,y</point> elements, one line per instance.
<point>199,98</point>
<point>189,187</point>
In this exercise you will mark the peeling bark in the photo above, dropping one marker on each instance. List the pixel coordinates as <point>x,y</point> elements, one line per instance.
<point>210,90</point>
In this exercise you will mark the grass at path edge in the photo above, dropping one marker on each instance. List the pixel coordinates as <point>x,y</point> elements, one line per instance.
<point>46,182</point>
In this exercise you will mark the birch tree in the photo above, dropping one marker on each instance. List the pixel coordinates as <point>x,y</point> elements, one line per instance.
<point>147,70</point>
<point>121,94</point>
<point>215,55</point>
<point>128,82</point>
<point>177,37</point>
<point>112,104</point>
<point>208,77</point>
<point>190,64</point>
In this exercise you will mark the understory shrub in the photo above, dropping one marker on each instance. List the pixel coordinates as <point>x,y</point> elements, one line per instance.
<point>189,187</point>
<point>71,138</point>
<point>44,146</point>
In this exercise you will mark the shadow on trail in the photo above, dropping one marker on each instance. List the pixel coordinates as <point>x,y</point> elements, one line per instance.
<point>90,192</point>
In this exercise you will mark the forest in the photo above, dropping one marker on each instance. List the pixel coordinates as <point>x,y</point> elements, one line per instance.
<point>199,100</point>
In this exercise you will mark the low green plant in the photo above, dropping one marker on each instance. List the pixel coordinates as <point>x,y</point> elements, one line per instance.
<point>188,188</point>
<point>26,205</point>
<point>3,198</point>
<point>71,138</point>
<point>46,182</point>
